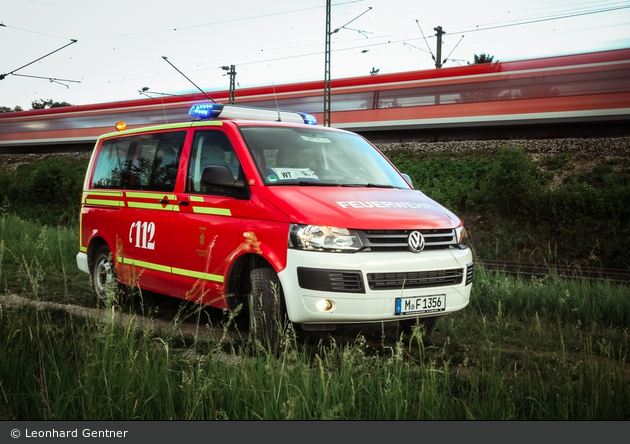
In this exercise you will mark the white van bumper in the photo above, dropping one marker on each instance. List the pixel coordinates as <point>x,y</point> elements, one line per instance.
<point>362,287</point>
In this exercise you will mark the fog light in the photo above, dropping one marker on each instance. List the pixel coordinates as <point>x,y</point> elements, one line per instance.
<point>324,305</point>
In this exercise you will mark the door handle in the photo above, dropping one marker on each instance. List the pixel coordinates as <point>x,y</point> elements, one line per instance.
<point>164,201</point>
<point>184,203</point>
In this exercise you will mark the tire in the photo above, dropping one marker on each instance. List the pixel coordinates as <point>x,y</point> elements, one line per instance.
<point>428,324</point>
<point>103,275</point>
<point>267,312</point>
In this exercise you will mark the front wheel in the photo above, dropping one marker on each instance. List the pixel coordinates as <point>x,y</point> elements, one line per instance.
<point>267,312</point>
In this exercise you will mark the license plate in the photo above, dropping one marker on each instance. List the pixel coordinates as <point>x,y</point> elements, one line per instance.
<point>421,304</point>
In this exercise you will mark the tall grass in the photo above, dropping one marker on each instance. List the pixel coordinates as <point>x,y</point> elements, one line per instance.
<point>50,252</point>
<point>523,349</point>
<point>489,361</point>
<point>126,374</point>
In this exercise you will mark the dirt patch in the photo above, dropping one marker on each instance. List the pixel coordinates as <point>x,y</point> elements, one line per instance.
<point>101,314</point>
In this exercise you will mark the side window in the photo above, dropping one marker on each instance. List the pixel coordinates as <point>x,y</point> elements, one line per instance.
<point>155,161</point>
<point>110,166</point>
<point>210,148</point>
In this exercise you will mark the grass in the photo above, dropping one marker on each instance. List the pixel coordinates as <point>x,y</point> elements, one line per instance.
<point>49,251</point>
<point>523,349</point>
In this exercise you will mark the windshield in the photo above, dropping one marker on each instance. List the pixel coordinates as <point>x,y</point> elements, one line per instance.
<point>317,157</point>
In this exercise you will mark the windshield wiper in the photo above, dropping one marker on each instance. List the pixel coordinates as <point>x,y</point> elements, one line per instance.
<point>317,184</point>
<point>367,185</point>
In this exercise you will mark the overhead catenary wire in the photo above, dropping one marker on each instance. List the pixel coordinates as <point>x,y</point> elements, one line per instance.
<point>3,76</point>
<point>539,20</point>
<point>202,91</point>
<point>376,42</point>
<point>404,41</point>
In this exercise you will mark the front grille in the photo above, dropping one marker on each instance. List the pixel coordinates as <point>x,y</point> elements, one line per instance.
<point>340,281</point>
<point>417,279</point>
<point>396,240</point>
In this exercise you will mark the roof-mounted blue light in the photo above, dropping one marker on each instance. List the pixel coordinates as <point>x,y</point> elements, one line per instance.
<point>308,119</point>
<point>221,111</point>
<point>206,110</point>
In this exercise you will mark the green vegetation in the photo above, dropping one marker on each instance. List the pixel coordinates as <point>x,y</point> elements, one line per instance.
<point>48,192</point>
<point>510,205</point>
<point>47,253</point>
<point>523,349</point>
<point>489,361</point>
<point>512,211</point>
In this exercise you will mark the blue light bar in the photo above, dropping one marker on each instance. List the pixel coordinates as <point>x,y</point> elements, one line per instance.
<point>308,119</point>
<point>206,110</point>
<point>221,111</point>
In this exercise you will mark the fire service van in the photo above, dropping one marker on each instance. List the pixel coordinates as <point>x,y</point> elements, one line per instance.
<point>266,211</point>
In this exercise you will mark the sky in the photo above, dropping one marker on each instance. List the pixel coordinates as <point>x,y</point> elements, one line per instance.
<point>120,44</point>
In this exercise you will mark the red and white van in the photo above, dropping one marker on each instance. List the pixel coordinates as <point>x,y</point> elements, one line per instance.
<point>265,210</point>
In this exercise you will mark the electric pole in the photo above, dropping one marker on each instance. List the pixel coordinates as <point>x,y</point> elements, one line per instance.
<point>232,72</point>
<point>327,68</point>
<point>329,33</point>
<point>438,60</point>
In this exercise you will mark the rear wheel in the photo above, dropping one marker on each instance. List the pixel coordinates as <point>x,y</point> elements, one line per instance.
<point>104,281</point>
<point>267,312</point>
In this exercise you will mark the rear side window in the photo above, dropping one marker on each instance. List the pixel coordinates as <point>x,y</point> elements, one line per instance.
<point>147,162</point>
<point>111,164</point>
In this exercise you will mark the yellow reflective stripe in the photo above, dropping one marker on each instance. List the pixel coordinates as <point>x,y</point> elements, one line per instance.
<point>104,193</point>
<point>198,275</point>
<point>111,203</point>
<point>217,211</point>
<point>144,264</point>
<point>150,195</point>
<point>83,249</point>
<point>196,199</point>
<point>150,206</point>
<point>166,269</point>
<point>208,123</point>
<point>148,129</point>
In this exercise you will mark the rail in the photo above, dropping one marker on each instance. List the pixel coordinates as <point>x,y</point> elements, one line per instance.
<point>565,271</point>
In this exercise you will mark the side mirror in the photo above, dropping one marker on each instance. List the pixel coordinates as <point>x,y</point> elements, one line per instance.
<point>220,176</point>
<point>408,179</point>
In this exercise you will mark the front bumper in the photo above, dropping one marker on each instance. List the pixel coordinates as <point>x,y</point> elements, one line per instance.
<point>355,300</point>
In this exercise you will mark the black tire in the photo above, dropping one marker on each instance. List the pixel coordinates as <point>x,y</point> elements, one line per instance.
<point>267,312</point>
<point>103,275</point>
<point>427,324</point>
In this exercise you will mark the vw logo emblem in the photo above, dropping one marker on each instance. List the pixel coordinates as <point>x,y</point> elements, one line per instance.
<point>416,242</point>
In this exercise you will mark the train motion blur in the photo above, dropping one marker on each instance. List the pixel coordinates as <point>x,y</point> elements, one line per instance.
<point>515,99</point>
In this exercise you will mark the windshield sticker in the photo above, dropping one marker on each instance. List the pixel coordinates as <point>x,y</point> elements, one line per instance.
<point>316,139</point>
<point>293,173</point>
<point>384,204</point>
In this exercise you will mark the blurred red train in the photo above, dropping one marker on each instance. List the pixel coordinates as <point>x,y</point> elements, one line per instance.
<point>578,90</point>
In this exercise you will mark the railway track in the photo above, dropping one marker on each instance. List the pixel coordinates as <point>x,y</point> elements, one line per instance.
<point>565,271</point>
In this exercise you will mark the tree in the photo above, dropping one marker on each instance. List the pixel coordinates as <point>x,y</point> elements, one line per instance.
<point>484,58</point>
<point>45,104</point>
<point>6,109</point>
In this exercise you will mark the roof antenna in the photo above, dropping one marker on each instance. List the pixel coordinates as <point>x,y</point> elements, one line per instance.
<point>202,91</point>
<point>274,95</point>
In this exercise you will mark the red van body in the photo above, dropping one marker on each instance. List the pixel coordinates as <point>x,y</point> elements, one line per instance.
<point>277,217</point>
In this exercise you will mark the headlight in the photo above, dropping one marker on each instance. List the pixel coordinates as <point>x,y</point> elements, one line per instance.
<point>462,237</point>
<point>322,238</point>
